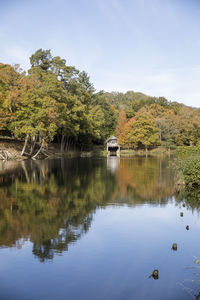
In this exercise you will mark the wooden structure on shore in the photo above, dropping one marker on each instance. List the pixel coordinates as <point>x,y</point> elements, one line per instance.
<point>112,146</point>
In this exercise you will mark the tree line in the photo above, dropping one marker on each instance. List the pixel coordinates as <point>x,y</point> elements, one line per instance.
<point>54,101</point>
<point>151,122</point>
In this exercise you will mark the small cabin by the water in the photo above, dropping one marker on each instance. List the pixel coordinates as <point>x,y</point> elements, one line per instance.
<point>113,148</point>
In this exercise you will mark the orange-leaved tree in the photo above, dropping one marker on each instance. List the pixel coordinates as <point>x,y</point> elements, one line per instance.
<point>120,123</point>
<point>124,136</point>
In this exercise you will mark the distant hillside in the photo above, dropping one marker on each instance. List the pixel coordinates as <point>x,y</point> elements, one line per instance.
<point>133,101</point>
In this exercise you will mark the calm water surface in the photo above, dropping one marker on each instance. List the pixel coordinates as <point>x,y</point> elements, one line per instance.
<point>96,229</point>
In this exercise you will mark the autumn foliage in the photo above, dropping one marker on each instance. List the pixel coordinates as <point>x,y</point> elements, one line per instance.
<point>54,101</point>
<point>120,123</point>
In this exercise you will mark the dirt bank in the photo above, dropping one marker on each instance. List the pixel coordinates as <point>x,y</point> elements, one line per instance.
<point>12,147</point>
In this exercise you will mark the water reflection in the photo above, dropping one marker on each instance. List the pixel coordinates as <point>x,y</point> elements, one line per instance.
<point>52,202</point>
<point>143,179</point>
<point>189,196</point>
<point>113,163</point>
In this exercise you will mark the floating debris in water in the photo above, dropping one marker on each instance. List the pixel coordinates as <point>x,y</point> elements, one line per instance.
<point>181,214</point>
<point>183,204</point>
<point>174,247</point>
<point>187,227</point>
<point>155,274</point>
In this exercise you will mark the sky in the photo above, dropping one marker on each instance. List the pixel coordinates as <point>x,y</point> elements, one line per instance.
<point>149,46</point>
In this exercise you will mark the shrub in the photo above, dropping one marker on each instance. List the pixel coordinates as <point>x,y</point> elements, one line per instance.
<point>190,170</point>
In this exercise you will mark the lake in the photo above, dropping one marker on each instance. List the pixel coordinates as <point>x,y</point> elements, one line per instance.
<point>97,228</point>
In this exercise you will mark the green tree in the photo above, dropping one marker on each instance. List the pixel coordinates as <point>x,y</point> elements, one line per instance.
<point>143,131</point>
<point>36,115</point>
<point>10,84</point>
<point>41,58</point>
<point>109,112</point>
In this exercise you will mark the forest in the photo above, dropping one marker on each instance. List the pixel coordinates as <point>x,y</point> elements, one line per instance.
<point>56,102</point>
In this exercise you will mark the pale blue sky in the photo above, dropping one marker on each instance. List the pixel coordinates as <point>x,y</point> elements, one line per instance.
<point>151,46</point>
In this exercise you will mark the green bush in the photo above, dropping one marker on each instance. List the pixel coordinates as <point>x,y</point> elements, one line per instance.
<point>186,151</point>
<point>190,170</point>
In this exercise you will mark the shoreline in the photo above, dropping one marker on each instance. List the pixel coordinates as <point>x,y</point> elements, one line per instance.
<point>11,150</point>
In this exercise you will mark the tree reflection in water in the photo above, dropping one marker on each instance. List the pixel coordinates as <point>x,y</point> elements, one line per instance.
<point>142,179</point>
<point>52,202</point>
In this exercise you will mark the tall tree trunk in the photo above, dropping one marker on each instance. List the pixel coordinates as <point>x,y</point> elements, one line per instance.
<point>67,143</point>
<point>62,143</point>
<point>33,142</point>
<point>34,156</point>
<point>25,144</point>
